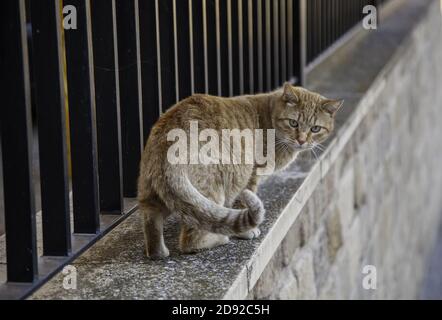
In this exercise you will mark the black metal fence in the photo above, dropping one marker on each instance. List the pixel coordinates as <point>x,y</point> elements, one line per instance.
<point>328,20</point>
<point>127,61</point>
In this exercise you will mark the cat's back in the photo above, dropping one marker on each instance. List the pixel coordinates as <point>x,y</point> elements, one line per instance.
<point>210,112</point>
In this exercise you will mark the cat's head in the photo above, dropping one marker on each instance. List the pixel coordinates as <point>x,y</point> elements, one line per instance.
<point>303,118</point>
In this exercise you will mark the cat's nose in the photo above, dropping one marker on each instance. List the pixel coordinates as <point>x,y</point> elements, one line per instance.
<point>301,141</point>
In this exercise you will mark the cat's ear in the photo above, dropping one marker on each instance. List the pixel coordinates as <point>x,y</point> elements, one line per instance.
<point>332,106</point>
<point>289,94</point>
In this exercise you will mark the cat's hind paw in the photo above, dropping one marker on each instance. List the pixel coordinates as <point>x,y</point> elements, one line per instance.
<point>249,235</point>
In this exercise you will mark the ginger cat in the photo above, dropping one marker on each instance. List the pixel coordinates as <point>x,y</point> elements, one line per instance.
<point>204,195</point>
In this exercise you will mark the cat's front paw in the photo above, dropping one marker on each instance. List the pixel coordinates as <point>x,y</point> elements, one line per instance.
<point>250,234</point>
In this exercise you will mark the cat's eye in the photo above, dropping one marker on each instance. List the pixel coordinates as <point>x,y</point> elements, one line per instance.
<point>315,129</point>
<point>293,123</point>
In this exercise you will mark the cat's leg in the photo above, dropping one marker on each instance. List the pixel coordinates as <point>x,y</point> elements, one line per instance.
<point>253,233</point>
<point>193,240</point>
<point>252,185</point>
<point>154,214</point>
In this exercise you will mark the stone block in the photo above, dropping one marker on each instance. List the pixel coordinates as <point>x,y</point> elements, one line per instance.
<point>304,273</point>
<point>265,287</point>
<point>321,257</point>
<point>334,234</point>
<point>344,194</point>
<point>293,241</point>
<point>289,288</point>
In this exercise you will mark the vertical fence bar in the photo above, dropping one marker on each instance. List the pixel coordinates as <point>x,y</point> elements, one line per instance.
<point>127,33</point>
<point>16,127</point>
<point>149,65</point>
<point>51,118</point>
<point>175,50</point>
<point>290,40</point>
<point>322,25</point>
<point>245,45</point>
<point>268,44</point>
<point>206,48</point>
<point>338,18</point>
<point>354,12</point>
<point>276,60</point>
<point>212,49</point>
<point>223,34</point>
<point>350,14</point>
<point>80,77</point>
<point>241,41</point>
<point>218,44</point>
<point>317,27</point>
<point>328,18</point>
<point>258,62</point>
<point>192,70</point>
<point>343,17</point>
<point>236,47</point>
<point>332,20</point>
<point>301,40</point>
<point>335,19</point>
<point>230,45</point>
<point>198,47</point>
<point>107,105</point>
<point>362,4</point>
<point>167,53</point>
<point>310,29</point>
<point>183,48</point>
<point>250,46</point>
<point>325,24</point>
<point>264,45</point>
<point>283,37</point>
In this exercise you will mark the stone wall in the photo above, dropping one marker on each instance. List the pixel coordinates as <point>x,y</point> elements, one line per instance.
<point>380,202</point>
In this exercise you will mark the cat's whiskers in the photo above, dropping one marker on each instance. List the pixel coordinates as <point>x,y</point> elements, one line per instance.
<point>318,147</point>
<point>321,145</point>
<point>314,153</point>
<point>284,144</point>
<point>291,140</point>
<point>280,146</point>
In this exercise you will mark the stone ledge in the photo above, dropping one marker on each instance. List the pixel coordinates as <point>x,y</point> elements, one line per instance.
<point>115,267</point>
